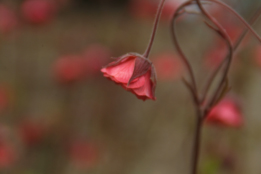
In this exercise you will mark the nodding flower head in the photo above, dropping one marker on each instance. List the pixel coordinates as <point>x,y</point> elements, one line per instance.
<point>134,73</point>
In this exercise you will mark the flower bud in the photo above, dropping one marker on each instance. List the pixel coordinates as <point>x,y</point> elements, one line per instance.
<point>134,73</point>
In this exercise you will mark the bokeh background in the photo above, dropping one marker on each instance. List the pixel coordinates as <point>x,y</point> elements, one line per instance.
<point>59,115</point>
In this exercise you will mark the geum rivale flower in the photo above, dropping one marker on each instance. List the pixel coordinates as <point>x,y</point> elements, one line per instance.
<point>135,73</point>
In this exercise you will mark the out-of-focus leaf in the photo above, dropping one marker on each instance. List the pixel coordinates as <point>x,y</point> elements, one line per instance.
<point>210,166</point>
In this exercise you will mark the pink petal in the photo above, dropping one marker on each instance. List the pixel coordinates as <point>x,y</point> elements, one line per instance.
<point>226,113</point>
<point>122,72</point>
<point>230,116</point>
<point>137,83</point>
<point>146,88</point>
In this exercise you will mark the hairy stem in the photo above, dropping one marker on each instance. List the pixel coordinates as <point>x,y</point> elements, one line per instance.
<point>155,26</point>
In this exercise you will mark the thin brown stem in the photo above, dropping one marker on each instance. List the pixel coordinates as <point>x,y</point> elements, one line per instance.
<point>230,51</point>
<point>199,117</point>
<point>190,88</point>
<point>196,143</point>
<point>183,57</point>
<point>235,47</point>
<point>201,110</point>
<point>238,16</point>
<point>155,26</point>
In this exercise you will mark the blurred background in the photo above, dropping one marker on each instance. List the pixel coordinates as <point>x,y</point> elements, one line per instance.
<point>59,115</point>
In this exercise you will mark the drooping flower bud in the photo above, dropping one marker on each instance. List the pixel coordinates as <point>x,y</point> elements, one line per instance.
<point>134,73</point>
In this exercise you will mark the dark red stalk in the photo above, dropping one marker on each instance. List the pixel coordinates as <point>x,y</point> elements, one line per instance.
<point>200,112</point>
<point>223,33</point>
<point>194,90</point>
<point>155,26</point>
<point>200,109</point>
<point>238,16</point>
<point>196,141</point>
<point>230,51</point>
<point>235,47</point>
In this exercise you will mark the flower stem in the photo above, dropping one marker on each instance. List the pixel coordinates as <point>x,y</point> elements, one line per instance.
<point>196,144</point>
<point>147,52</point>
<point>221,31</point>
<point>179,12</point>
<point>239,17</point>
<point>235,47</point>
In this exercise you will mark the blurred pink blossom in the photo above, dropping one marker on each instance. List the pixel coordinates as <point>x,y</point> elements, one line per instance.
<point>168,66</point>
<point>38,11</point>
<point>7,155</point>
<point>8,19</point>
<point>257,55</point>
<point>226,113</point>
<point>69,68</point>
<point>84,154</point>
<point>147,8</point>
<point>4,98</point>
<point>95,56</point>
<point>31,132</point>
<point>214,56</point>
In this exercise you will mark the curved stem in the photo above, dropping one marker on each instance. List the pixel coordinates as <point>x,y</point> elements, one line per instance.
<point>230,52</point>
<point>238,16</point>
<point>196,143</point>
<point>191,90</point>
<point>183,57</point>
<point>235,47</point>
<point>147,52</point>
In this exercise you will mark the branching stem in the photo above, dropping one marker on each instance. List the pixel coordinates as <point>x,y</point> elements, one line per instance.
<point>235,47</point>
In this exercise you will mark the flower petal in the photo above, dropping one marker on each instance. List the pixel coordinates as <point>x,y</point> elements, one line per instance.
<point>146,89</point>
<point>122,72</point>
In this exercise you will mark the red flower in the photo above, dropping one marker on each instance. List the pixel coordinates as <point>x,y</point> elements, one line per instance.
<point>168,67</point>
<point>4,98</point>
<point>134,73</point>
<point>225,113</point>
<point>148,8</point>
<point>257,55</point>
<point>7,155</point>
<point>215,56</point>
<point>38,11</point>
<point>84,154</point>
<point>31,132</point>
<point>69,68</point>
<point>8,20</point>
<point>94,57</point>
<point>142,8</point>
